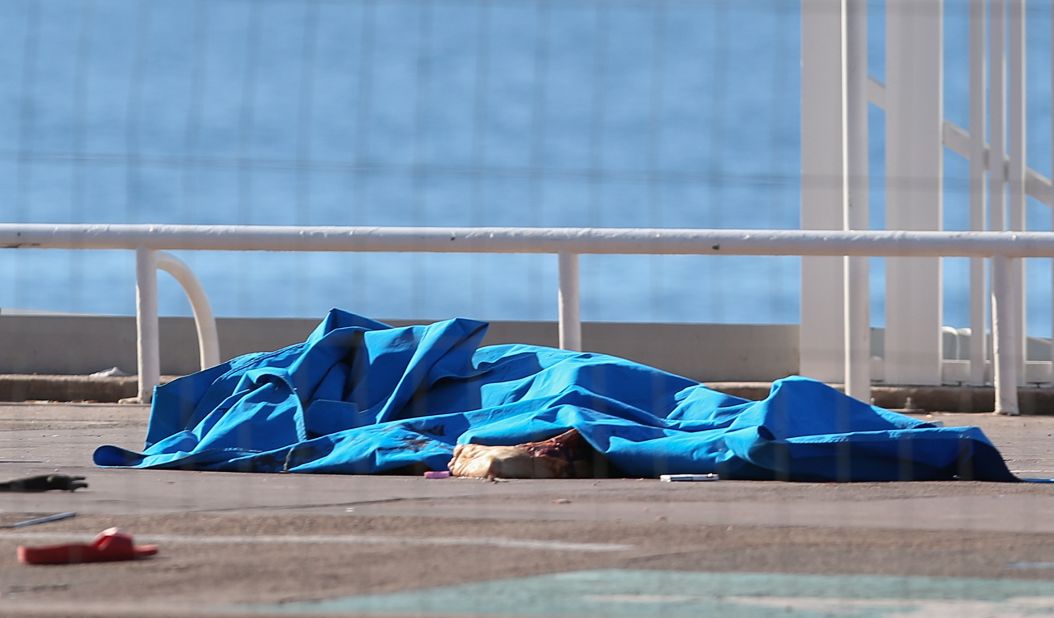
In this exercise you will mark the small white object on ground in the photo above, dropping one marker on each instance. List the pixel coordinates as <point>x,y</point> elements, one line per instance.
<point>112,372</point>
<point>690,478</point>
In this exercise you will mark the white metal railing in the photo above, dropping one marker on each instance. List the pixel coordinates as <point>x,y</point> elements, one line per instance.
<point>148,341</point>
<point>568,243</point>
<point>208,338</point>
<point>836,90</point>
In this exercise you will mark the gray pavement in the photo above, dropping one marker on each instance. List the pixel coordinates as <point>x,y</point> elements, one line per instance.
<point>242,544</point>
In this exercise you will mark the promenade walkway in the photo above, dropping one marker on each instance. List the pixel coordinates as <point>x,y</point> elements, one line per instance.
<point>244,544</point>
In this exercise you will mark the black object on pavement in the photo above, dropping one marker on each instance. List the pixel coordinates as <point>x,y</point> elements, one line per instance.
<point>44,482</point>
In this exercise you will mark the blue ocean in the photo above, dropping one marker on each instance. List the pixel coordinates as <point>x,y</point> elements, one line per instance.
<point>623,113</point>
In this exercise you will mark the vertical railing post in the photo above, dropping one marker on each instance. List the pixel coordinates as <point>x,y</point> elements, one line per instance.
<point>914,175</point>
<point>1004,335</point>
<point>978,317</point>
<point>569,303</point>
<point>997,125</point>
<point>1016,120</point>
<point>1004,332</point>
<point>857,320</point>
<point>821,335</point>
<point>148,347</point>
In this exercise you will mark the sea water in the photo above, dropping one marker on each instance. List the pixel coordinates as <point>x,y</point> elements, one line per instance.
<point>616,113</point>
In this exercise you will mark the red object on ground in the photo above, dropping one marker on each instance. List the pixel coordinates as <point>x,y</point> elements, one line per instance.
<point>109,546</point>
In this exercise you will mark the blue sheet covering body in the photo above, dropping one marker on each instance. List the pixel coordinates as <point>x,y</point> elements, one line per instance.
<point>360,397</point>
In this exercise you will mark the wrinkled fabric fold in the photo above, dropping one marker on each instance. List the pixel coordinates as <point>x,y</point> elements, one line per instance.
<point>360,397</point>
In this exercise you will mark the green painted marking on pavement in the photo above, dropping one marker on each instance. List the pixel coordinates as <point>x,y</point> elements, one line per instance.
<point>678,594</point>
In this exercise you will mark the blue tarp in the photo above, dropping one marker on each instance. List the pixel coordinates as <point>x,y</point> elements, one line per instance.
<point>360,397</point>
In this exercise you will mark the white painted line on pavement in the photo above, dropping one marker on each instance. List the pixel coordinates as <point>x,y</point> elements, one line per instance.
<point>1031,565</point>
<point>345,539</point>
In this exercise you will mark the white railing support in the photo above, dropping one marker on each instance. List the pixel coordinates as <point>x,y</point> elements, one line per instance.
<point>822,332</point>
<point>569,303</point>
<point>997,167</point>
<point>857,320</point>
<point>148,347</point>
<point>204,321</point>
<point>1016,120</point>
<point>977,156</point>
<point>914,173</point>
<point>1004,336</point>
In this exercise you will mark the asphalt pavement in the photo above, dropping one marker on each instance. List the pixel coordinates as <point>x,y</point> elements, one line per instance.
<point>273,544</point>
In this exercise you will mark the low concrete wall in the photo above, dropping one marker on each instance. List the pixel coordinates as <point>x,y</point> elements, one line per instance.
<point>79,345</point>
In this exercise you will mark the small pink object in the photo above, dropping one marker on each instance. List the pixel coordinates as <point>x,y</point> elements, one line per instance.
<point>437,474</point>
